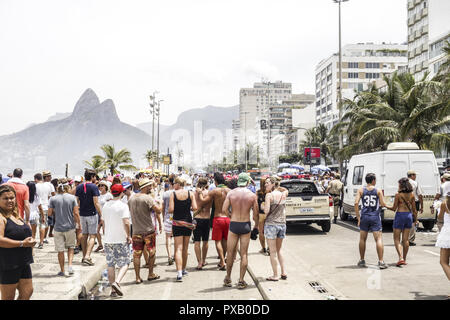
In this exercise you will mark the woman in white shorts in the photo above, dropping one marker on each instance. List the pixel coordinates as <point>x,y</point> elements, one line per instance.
<point>443,239</point>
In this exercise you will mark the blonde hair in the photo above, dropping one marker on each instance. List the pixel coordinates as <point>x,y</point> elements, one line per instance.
<point>274,180</point>
<point>15,212</point>
<point>180,181</point>
<point>63,186</point>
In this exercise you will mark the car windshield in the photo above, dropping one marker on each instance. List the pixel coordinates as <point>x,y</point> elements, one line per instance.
<point>300,187</point>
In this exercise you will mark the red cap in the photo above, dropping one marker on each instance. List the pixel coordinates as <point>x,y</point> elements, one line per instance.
<point>116,189</point>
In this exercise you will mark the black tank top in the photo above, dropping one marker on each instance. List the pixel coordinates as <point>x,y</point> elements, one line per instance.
<point>12,258</point>
<point>182,208</point>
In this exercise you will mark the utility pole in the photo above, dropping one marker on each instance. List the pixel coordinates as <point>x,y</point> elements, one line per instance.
<point>341,138</point>
<point>245,137</point>
<point>158,110</point>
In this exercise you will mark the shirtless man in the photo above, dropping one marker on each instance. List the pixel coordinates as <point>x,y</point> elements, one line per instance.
<point>203,217</point>
<point>241,200</point>
<point>221,222</point>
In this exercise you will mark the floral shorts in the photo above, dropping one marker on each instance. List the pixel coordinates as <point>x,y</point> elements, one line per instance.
<point>117,254</point>
<point>139,240</point>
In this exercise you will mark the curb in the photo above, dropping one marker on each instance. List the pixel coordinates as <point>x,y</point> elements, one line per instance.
<point>258,284</point>
<point>89,282</point>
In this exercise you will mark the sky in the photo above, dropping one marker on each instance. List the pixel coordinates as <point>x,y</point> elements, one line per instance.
<point>194,53</point>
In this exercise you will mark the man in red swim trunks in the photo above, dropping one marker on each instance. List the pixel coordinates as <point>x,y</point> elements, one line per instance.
<point>221,222</point>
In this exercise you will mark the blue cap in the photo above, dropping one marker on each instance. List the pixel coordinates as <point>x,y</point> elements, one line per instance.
<point>126,185</point>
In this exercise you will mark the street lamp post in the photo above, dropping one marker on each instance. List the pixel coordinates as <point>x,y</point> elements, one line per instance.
<point>152,112</point>
<point>341,142</point>
<point>158,110</point>
<point>310,147</point>
<point>245,137</point>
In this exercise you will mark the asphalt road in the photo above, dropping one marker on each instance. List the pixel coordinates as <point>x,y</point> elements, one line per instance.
<point>319,266</point>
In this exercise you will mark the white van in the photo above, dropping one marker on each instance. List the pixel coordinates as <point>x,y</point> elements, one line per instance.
<point>389,166</point>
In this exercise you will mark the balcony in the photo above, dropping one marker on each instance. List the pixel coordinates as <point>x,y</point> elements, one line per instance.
<point>425,65</point>
<point>424,12</point>
<point>410,21</point>
<point>416,2</point>
<point>411,54</point>
<point>424,47</point>
<point>417,34</point>
<point>411,37</point>
<point>410,5</point>
<point>425,29</point>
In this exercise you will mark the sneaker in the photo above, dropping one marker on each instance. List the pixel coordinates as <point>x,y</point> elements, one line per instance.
<point>179,279</point>
<point>412,244</point>
<point>117,288</point>
<point>41,246</point>
<point>61,274</point>
<point>71,272</point>
<point>185,273</point>
<point>45,241</point>
<point>113,294</point>
<point>263,251</point>
<point>362,263</point>
<point>76,250</point>
<point>382,265</point>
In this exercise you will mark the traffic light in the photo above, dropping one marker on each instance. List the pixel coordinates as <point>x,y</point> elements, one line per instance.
<point>263,124</point>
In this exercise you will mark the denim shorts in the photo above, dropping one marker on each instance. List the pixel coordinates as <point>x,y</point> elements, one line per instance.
<point>370,223</point>
<point>273,231</point>
<point>403,220</point>
<point>117,254</point>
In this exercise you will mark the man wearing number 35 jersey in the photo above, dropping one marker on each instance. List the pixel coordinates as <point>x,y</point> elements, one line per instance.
<point>370,219</point>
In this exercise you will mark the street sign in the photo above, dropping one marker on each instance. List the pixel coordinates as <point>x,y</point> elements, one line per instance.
<point>167,159</point>
<point>315,153</point>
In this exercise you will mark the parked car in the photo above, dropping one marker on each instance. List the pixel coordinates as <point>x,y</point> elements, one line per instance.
<point>305,204</point>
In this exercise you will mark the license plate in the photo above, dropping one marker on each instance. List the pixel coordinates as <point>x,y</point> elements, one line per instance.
<point>306,210</point>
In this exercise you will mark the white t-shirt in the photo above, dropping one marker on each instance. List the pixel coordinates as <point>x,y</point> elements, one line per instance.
<point>34,211</point>
<point>113,213</point>
<point>44,190</point>
<point>103,198</point>
<point>445,188</point>
<point>416,189</point>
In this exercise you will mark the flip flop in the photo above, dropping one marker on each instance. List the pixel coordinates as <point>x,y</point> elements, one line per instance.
<point>156,277</point>
<point>271,279</point>
<point>199,268</point>
<point>223,268</point>
<point>401,262</point>
<point>283,277</point>
<point>139,281</point>
<point>205,264</point>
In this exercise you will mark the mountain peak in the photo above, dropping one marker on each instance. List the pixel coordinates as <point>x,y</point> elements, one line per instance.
<point>86,103</point>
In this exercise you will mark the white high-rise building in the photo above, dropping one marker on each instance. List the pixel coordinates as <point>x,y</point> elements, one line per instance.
<point>254,106</point>
<point>428,29</point>
<point>362,64</point>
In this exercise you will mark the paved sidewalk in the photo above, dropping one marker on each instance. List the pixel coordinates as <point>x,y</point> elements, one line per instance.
<point>296,287</point>
<point>48,286</point>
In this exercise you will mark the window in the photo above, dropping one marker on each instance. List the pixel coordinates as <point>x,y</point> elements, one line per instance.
<point>329,78</point>
<point>372,65</point>
<point>353,65</point>
<point>372,75</point>
<point>318,112</point>
<point>353,75</point>
<point>329,107</point>
<point>358,175</point>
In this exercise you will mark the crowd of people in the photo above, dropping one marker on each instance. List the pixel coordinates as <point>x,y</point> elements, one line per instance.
<point>124,215</point>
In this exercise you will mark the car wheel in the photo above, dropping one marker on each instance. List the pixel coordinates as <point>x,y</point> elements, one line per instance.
<point>326,226</point>
<point>428,225</point>
<point>343,215</point>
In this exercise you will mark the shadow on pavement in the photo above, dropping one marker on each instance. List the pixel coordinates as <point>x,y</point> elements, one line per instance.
<point>222,288</point>
<point>302,229</point>
<point>421,296</point>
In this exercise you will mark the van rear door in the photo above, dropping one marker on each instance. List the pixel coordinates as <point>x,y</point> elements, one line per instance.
<point>427,172</point>
<point>396,166</point>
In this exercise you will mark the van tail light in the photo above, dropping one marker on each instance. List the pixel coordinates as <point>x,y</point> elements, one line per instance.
<point>331,201</point>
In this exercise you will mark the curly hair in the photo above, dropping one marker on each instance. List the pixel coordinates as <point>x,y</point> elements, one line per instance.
<point>404,185</point>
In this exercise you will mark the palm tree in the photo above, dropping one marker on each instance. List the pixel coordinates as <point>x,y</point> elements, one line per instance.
<point>121,159</point>
<point>319,137</point>
<point>97,164</point>
<point>150,156</point>
<point>406,111</point>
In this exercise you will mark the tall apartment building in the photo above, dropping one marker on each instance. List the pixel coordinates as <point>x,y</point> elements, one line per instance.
<point>362,64</point>
<point>428,29</point>
<point>254,106</point>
